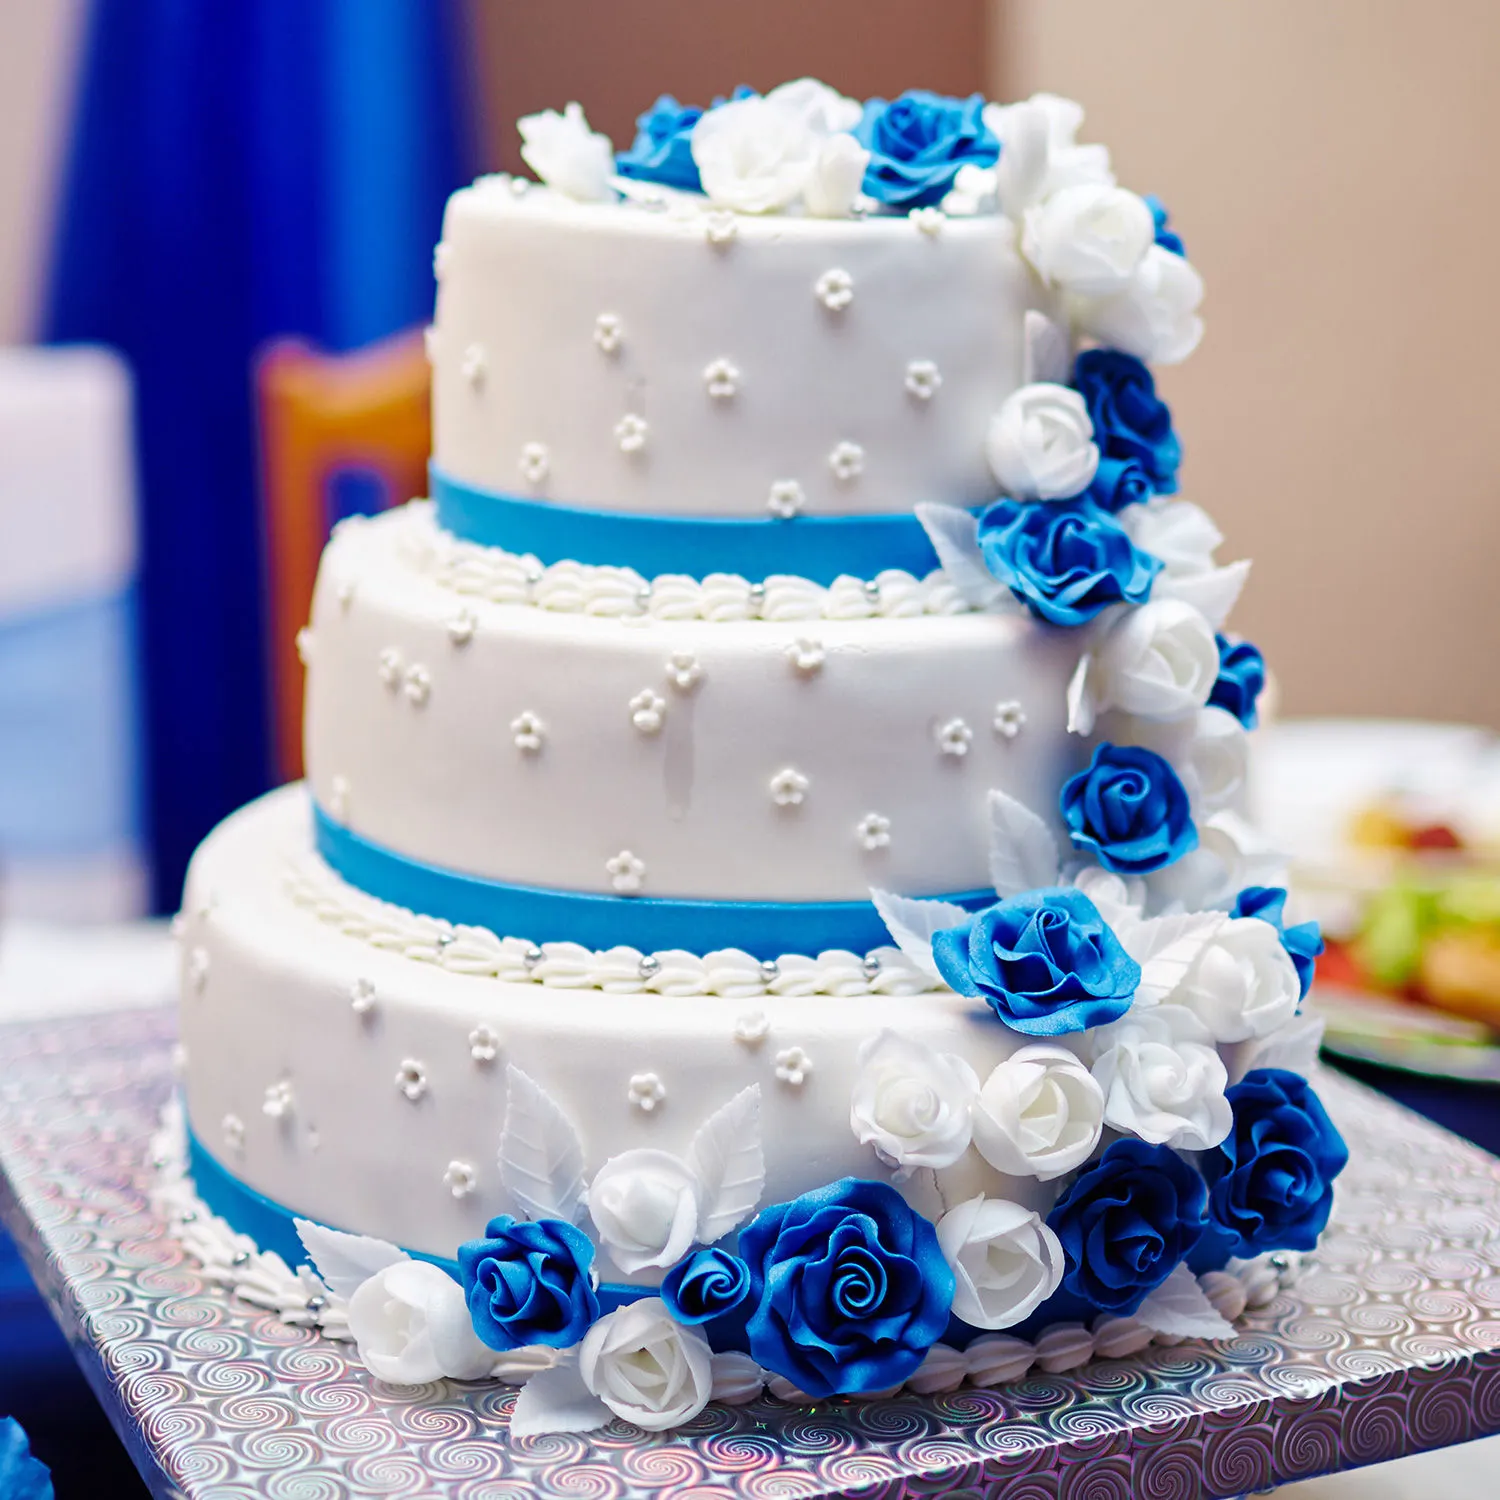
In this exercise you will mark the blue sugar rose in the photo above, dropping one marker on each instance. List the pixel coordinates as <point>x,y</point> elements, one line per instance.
<point>917,144</point>
<point>22,1476</point>
<point>1166,236</point>
<point>850,1288</point>
<point>1130,420</point>
<point>663,147</point>
<point>529,1283</point>
<point>1127,1222</point>
<point>1242,678</point>
<point>1271,1179</point>
<point>1045,962</point>
<point>1119,482</point>
<point>1064,559</point>
<point>707,1284</point>
<point>1130,808</point>
<point>1303,942</point>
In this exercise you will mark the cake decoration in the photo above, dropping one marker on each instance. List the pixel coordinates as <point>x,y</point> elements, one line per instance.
<point>721,379</point>
<point>1241,680</point>
<point>528,731</point>
<point>923,379</point>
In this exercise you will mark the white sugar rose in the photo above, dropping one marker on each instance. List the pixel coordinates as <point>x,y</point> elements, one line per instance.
<point>1039,155</point>
<point>1293,1046</point>
<point>1231,854</point>
<point>912,1103</point>
<point>646,1367</point>
<point>1040,443</point>
<point>1153,315</point>
<point>1162,1079</point>
<point>1089,240</point>
<point>1040,1113</point>
<point>1159,661</point>
<point>411,1325</point>
<point>1006,1262</point>
<point>566,154</point>
<point>833,184</point>
<point>822,109</point>
<point>644,1203</point>
<point>1210,751</point>
<point>1243,984</point>
<point>1176,531</point>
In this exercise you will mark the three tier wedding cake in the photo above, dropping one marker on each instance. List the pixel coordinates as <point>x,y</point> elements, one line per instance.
<point>771,900</point>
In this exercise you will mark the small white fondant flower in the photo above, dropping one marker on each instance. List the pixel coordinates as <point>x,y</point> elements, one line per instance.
<point>1154,315</point>
<point>646,1367</point>
<point>566,154</point>
<point>460,1178</point>
<point>833,185</point>
<point>750,1028</point>
<point>1040,443</point>
<point>647,711</point>
<point>1039,1114</point>
<point>846,460</point>
<point>1009,720</point>
<point>338,797</point>
<point>1088,240</point>
<point>461,627</point>
<point>609,332</point>
<point>411,1079</point>
<point>911,1103</point>
<point>954,738</point>
<point>806,656</point>
<point>793,1065</point>
<point>721,379</point>
<point>644,1203</point>
<point>390,668</point>
<point>473,366</point>
<point>410,1324</point>
<point>304,644</point>
<point>785,499</point>
<point>1006,1262</point>
<point>646,1091</point>
<point>684,671</point>
<point>719,229</point>
<point>535,462</point>
<point>627,872</point>
<point>630,433</point>
<point>929,220</point>
<point>362,997</point>
<point>278,1101</point>
<point>484,1044</point>
<point>1039,155</point>
<point>834,289</point>
<point>197,970</point>
<point>417,684</point>
<point>528,731</point>
<point>1243,984</point>
<point>873,831</point>
<point>234,1132</point>
<point>1159,660</point>
<point>788,787</point>
<point>923,379</point>
<point>1162,1079</point>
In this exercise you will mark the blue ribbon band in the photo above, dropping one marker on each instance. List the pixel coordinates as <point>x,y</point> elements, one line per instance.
<point>819,548</point>
<point>652,924</point>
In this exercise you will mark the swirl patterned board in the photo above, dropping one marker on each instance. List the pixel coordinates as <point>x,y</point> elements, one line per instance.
<point>1388,1344</point>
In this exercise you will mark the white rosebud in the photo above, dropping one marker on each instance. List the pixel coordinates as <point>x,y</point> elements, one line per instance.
<point>1088,240</point>
<point>411,1325</point>
<point>820,108</point>
<point>1243,984</point>
<point>837,172</point>
<point>754,155</point>
<point>644,1203</point>
<point>1154,315</point>
<point>1159,661</point>
<point>1176,531</point>
<point>1162,1079</point>
<point>1040,1113</point>
<point>1040,443</point>
<point>912,1103</point>
<point>1038,151</point>
<point>1006,1262</point>
<point>646,1367</point>
<point>566,154</point>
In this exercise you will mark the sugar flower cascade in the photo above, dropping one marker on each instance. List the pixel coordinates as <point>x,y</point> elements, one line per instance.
<point>1151,1121</point>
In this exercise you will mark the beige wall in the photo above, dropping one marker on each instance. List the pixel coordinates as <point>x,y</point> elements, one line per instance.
<point>1333,168</point>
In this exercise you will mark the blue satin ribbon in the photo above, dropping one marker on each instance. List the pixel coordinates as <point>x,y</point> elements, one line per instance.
<point>652,924</point>
<point>819,548</point>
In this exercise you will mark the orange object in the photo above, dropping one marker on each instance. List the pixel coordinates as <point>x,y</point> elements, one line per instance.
<point>324,416</point>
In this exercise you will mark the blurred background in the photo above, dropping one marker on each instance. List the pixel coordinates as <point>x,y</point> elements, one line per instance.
<point>216,232</point>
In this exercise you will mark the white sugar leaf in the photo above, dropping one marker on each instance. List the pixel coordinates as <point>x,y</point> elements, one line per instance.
<point>731,1169</point>
<point>1212,594</point>
<point>1048,356</point>
<point>345,1262</point>
<point>954,535</point>
<point>1180,1307</point>
<point>541,1157</point>
<point>1023,853</point>
<point>912,924</point>
<point>1166,948</point>
<point>557,1400</point>
<point>1081,698</point>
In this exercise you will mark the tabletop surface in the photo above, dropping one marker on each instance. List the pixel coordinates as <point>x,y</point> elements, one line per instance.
<point>1389,1343</point>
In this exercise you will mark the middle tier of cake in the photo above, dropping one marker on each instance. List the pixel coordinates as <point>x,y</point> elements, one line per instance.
<point>574,730</point>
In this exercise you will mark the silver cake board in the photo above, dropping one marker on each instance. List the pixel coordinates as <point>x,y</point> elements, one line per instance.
<point>1387,1344</point>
